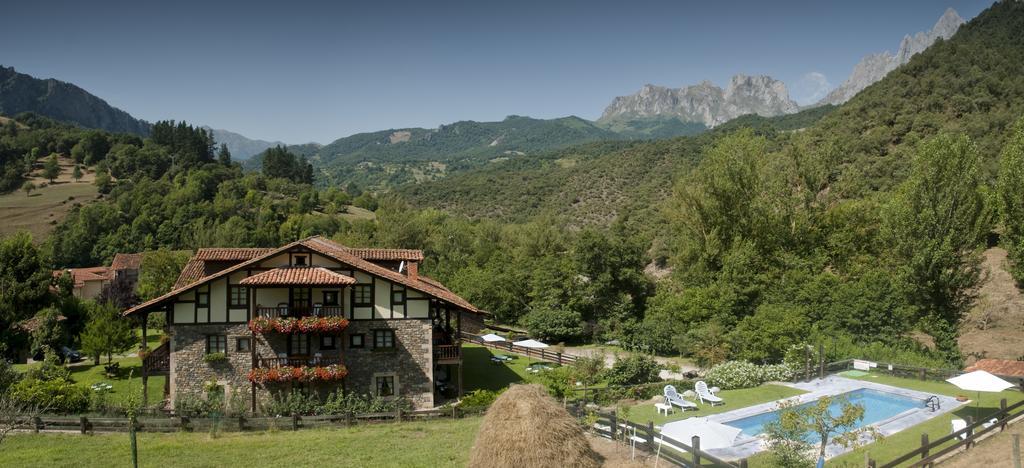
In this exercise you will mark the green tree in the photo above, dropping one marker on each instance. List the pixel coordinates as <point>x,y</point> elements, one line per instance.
<point>107,332</point>
<point>787,435</point>
<point>76,173</point>
<point>224,155</point>
<point>632,370</point>
<point>24,283</point>
<point>103,180</point>
<point>49,332</point>
<point>554,324</point>
<point>159,271</point>
<point>51,169</point>
<point>935,224</point>
<point>28,187</point>
<point>1010,193</point>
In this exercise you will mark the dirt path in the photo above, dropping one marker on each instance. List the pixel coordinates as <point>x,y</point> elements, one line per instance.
<point>996,324</point>
<point>610,356</point>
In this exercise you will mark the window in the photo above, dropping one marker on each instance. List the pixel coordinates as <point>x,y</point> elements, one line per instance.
<point>331,298</point>
<point>384,385</point>
<point>216,344</point>
<point>362,295</point>
<point>298,345</point>
<point>398,297</point>
<point>243,345</point>
<point>327,342</point>
<point>238,296</point>
<point>384,339</point>
<point>203,298</point>
<point>300,260</point>
<point>357,340</point>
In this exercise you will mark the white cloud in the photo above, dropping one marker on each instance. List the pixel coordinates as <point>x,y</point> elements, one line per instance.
<point>810,88</point>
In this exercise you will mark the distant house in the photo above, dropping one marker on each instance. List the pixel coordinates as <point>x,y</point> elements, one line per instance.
<point>313,316</point>
<point>90,281</point>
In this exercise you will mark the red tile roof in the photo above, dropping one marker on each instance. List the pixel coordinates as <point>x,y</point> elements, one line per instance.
<point>126,261</point>
<point>81,275</point>
<point>191,273</point>
<point>1004,367</point>
<point>288,276</point>
<point>331,249</point>
<point>228,254</point>
<point>408,255</point>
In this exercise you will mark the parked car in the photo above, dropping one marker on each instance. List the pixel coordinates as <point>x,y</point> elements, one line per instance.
<point>69,355</point>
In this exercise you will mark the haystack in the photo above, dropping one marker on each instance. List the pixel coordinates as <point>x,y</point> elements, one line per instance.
<point>525,427</point>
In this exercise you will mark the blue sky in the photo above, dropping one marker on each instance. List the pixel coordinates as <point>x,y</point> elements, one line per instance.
<point>315,71</point>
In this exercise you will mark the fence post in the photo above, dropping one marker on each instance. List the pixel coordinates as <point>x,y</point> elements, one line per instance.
<point>559,355</point>
<point>743,463</point>
<point>295,421</point>
<point>614,425</point>
<point>37,423</point>
<point>923,374</point>
<point>454,412</point>
<point>84,422</point>
<point>1004,418</point>
<point>241,423</point>
<point>1016,450</point>
<point>821,359</point>
<point>695,446</point>
<point>970,431</point>
<point>398,414</point>
<point>186,424</point>
<point>650,432</point>
<point>871,463</point>
<point>924,445</point>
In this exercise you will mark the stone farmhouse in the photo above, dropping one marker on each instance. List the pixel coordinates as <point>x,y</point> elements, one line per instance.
<point>312,316</point>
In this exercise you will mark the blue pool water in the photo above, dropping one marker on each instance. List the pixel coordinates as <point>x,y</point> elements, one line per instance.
<point>878,406</point>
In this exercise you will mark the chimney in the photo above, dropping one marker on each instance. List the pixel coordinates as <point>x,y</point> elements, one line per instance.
<point>412,270</point>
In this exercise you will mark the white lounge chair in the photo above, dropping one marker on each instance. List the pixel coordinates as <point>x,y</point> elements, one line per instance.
<point>672,397</point>
<point>959,425</point>
<point>705,395</point>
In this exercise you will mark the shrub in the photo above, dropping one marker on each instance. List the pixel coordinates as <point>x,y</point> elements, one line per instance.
<point>288,403</point>
<point>8,376</point>
<point>342,403</point>
<point>57,396</point>
<point>193,405</point>
<point>554,324</point>
<point>478,399</point>
<point>632,370</point>
<point>742,374</point>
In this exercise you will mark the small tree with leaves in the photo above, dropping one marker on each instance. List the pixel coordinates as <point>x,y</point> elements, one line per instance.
<point>788,436</point>
<point>106,333</point>
<point>49,331</point>
<point>51,169</point>
<point>28,187</point>
<point>76,173</point>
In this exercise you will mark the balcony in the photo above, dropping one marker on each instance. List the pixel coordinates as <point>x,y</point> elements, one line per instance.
<point>294,361</point>
<point>282,311</point>
<point>447,354</point>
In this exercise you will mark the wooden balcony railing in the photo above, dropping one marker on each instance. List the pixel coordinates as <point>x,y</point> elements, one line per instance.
<point>273,362</point>
<point>290,311</point>
<point>447,353</point>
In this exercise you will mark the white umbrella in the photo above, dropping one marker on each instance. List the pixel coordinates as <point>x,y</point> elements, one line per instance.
<point>491,338</point>
<point>980,381</point>
<point>712,434</point>
<point>530,344</point>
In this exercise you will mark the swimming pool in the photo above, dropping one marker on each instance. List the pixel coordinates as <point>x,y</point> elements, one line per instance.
<point>878,406</point>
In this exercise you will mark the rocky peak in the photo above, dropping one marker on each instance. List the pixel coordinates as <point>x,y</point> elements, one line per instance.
<point>874,67</point>
<point>704,102</point>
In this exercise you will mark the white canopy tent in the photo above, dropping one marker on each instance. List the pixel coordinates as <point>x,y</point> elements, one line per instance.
<point>530,344</point>
<point>492,338</point>
<point>712,434</point>
<point>980,381</point>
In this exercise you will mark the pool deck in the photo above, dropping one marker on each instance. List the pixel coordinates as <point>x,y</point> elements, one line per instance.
<point>833,385</point>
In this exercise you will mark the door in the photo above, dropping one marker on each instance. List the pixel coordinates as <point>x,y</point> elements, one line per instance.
<point>300,302</point>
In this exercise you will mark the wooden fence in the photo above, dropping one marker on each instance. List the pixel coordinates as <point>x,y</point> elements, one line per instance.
<point>645,437</point>
<point>507,346</point>
<point>931,451</point>
<point>86,424</point>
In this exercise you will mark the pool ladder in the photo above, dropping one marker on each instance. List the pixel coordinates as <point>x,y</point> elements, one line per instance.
<point>932,403</point>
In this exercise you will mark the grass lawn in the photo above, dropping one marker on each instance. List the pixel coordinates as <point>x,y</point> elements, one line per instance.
<point>427,443</point>
<point>86,374</point>
<point>480,373</point>
<point>734,399</point>
<point>50,204</point>
<point>152,338</point>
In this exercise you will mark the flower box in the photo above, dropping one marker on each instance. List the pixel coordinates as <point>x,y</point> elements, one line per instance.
<point>329,373</point>
<point>301,325</point>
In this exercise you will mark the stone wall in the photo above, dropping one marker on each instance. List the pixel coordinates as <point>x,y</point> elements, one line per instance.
<point>411,360</point>
<point>189,372</point>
